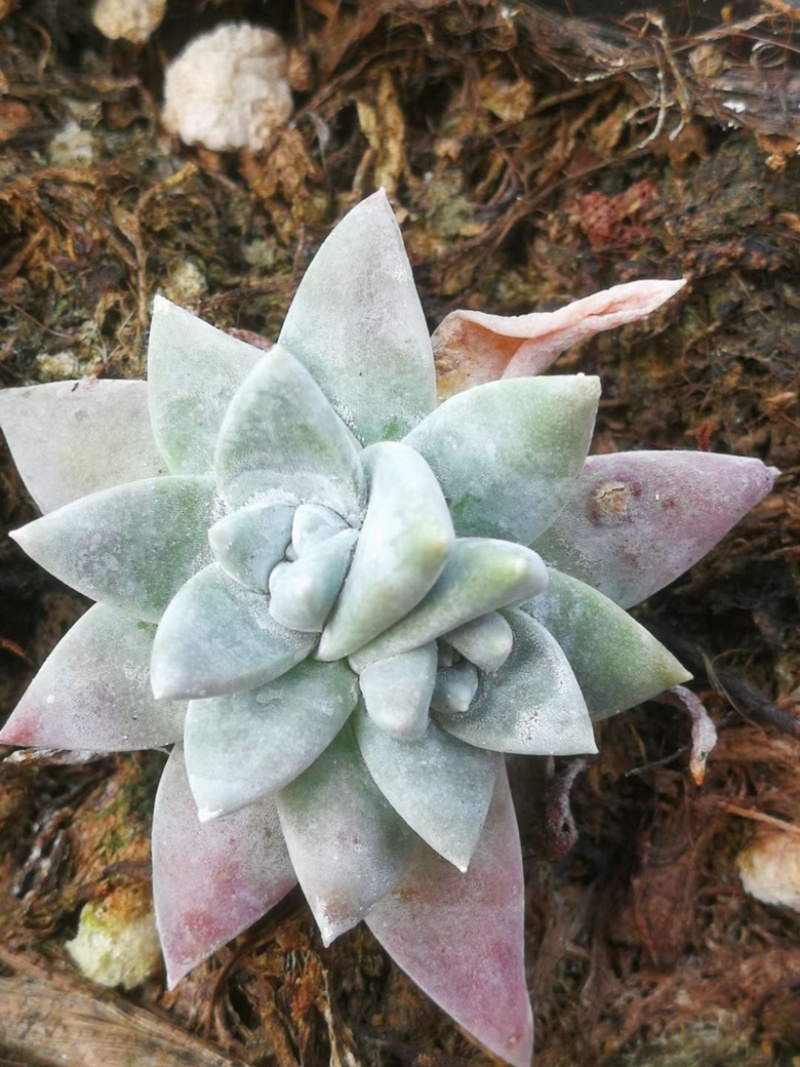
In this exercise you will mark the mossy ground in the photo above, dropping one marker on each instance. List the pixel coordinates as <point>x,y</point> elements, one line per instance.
<point>534,159</point>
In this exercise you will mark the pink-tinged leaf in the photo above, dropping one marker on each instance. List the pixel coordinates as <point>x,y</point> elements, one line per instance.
<point>638,520</point>
<point>348,845</point>
<point>211,880</point>
<point>357,324</point>
<point>93,691</point>
<point>472,347</point>
<point>460,936</point>
<point>70,439</point>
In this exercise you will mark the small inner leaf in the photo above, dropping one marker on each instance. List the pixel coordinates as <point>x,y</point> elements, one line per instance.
<point>303,592</point>
<point>397,691</point>
<point>480,575</point>
<point>486,641</point>
<point>250,542</point>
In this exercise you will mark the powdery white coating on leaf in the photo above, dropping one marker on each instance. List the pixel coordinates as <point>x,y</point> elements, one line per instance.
<point>480,576</point>
<point>193,371</point>
<point>397,691</point>
<point>532,706</point>
<point>249,542</point>
<point>440,786</point>
<point>348,846</point>
<point>486,641</point>
<point>70,439</point>
<point>404,543</point>
<point>455,689</point>
<point>506,454</point>
<point>358,326</point>
<point>228,88</point>
<point>313,524</point>
<point>460,936</point>
<point>93,691</point>
<point>243,747</point>
<point>280,434</point>
<point>472,347</point>
<point>132,546</point>
<point>211,880</point>
<point>303,592</point>
<point>218,637</point>
<point>132,20</point>
<point>770,868</point>
<point>638,520</point>
<point>617,662</point>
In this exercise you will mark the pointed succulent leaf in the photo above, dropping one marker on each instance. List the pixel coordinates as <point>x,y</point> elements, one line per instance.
<point>507,454</point>
<point>397,691</point>
<point>455,688</point>
<point>533,705</point>
<point>282,442</point>
<point>486,641</point>
<point>250,542</point>
<point>357,324</point>
<point>616,661</point>
<point>347,844</point>
<point>132,546</point>
<point>440,786</point>
<point>245,746</point>
<point>640,519</point>
<point>211,880</point>
<point>460,936</point>
<point>313,524</point>
<point>193,371</point>
<point>480,575</point>
<point>70,439</point>
<point>403,546</point>
<point>93,691</point>
<point>472,347</point>
<point>303,592</point>
<point>218,637</point>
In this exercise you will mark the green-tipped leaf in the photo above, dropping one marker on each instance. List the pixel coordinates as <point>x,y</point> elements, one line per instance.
<point>616,661</point>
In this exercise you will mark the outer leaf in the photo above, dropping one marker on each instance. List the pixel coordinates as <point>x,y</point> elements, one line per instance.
<point>211,880</point>
<point>640,519</point>
<point>440,786</point>
<point>93,691</point>
<point>282,442</point>
<point>357,324</point>
<point>397,691</point>
<point>616,661</point>
<point>460,936</point>
<point>217,637</point>
<point>507,454</point>
<point>250,542</point>
<point>70,439</point>
<point>193,370</point>
<point>472,347</point>
<point>347,844</point>
<point>532,705</point>
<point>404,543</point>
<point>132,546</point>
<point>480,575</point>
<point>245,746</point>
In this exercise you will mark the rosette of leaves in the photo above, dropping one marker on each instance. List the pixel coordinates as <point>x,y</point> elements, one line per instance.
<point>341,604</point>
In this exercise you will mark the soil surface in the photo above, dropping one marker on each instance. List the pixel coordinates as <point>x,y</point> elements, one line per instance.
<point>534,155</point>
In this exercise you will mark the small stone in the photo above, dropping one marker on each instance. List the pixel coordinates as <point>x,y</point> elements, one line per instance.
<point>770,868</point>
<point>117,941</point>
<point>133,20</point>
<point>228,89</point>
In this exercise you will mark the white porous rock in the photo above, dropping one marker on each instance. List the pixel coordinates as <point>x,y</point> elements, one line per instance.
<point>228,89</point>
<point>134,20</point>
<point>770,868</point>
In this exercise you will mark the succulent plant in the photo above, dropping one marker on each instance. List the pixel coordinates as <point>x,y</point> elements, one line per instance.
<point>342,604</point>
